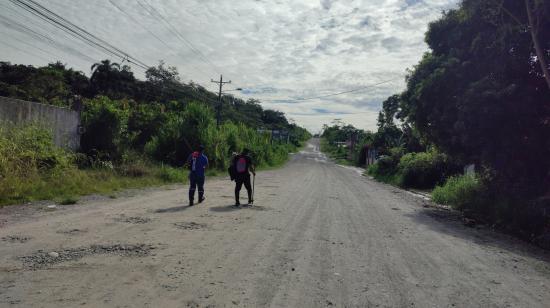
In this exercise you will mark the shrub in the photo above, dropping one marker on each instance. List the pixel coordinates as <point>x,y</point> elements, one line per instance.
<point>29,149</point>
<point>461,192</point>
<point>105,122</point>
<point>172,175</point>
<point>425,169</point>
<point>68,200</point>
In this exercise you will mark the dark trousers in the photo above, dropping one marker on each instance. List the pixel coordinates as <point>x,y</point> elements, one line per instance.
<point>239,181</point>
<point>194,182</point>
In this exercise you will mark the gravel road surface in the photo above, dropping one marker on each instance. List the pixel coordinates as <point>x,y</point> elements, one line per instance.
<point>320,235</point>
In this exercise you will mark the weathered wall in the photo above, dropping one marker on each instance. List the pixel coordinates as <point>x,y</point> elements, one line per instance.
<point>64,123</point>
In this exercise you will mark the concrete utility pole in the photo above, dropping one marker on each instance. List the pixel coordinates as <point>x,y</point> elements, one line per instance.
<point>219,109</point>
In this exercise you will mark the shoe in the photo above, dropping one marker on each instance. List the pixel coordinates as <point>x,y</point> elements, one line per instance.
<point>202,199</point>
<point>250,202</point>
<point>237,204</point>
<point>191,203</point>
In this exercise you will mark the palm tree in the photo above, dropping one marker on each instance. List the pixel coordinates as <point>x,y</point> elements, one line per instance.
<point>109,79</point>
<point>103,71</point>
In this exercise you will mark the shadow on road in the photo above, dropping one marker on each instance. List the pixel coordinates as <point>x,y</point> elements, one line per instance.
<point>172,209</point>
<point>226,208</point>
<point>232,208</point>
<point>450,223</point>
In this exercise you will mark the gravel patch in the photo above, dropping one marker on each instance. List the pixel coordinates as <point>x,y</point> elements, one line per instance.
<point>71,231</point>
<point>16,239</point>
<point>134,220</point>
<point>189,225</point>
<point>42,259</point>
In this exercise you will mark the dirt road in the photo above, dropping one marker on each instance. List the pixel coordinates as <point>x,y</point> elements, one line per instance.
<point>320,235</point>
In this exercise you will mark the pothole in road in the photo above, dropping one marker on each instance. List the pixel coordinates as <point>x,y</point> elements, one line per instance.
<point>43,259</point>
<point>133,220</point>
<point>190,225</point>
<point>16,239</point>
<point>72,231</point>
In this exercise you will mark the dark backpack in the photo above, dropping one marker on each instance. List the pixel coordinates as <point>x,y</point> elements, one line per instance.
<point>241,165</point>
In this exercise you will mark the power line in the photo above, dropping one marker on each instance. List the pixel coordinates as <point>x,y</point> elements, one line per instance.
<point>10,23</point>
<point>140,24</point>
<point>26,43</point>
<point>75,31</point>
<point>121,9</point>
<point>25,51</point>
<point>337,93</point>
<point>219,109</point>
<point>154,12</point>
<point>67,29</point>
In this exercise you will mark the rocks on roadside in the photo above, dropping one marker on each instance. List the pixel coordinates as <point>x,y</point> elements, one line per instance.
<point>16,239</point>
<point>42,259</point>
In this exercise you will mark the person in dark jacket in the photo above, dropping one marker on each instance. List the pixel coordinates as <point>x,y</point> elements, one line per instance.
<point>243,166</point>
<point>197,162</point>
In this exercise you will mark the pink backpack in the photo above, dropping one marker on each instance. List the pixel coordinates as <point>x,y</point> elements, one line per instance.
<point>241,165</point>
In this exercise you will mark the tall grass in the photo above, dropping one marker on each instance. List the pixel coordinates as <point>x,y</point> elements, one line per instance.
<point>33,168</point>
<point>460,192</point>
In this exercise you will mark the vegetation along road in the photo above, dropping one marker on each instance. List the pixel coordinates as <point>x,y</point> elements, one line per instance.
<point>320,235</point>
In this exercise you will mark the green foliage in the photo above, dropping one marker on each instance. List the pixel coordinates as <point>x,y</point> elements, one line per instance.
<point>180,134</point>
<point>127,123</point>
<point>422,170</point>
<point>461,97</point>
<point>333,137</point>
<point>425,169</point>
<point>52,84</point>
<point>461,192</point>
<point>33,168</point>
<point>172,175</point>
<point>68,200</point>
<point>28,150</point>
<point>105,127</point>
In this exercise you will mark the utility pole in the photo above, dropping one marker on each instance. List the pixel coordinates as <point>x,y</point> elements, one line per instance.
<point>219,109</point>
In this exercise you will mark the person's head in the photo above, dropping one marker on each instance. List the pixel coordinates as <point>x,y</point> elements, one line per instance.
<point>201,148</point>
<point>246,151</point>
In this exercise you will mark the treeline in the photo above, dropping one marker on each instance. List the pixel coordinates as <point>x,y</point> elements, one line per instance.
<point>132,127</point>
<point>480,96</point>
<point>123,113</point>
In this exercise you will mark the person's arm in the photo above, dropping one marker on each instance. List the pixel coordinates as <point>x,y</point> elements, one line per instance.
<point>206,164</point>
<point>187,162</point>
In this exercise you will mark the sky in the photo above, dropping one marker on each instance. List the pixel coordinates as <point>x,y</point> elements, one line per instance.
<point>286,53</point>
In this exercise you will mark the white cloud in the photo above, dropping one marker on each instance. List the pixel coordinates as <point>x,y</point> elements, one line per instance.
<point>275,49</point>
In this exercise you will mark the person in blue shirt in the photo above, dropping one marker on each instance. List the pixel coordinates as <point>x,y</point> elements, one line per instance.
<point>197,162</point>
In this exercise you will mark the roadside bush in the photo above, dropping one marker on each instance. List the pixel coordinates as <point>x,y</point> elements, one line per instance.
<point>29,149</point>
<point>425,169</point>
<point>180,134</point>
<point>385,168</point>
<point>461,192</point>
<point>105,124</point>
<point>172,175</point>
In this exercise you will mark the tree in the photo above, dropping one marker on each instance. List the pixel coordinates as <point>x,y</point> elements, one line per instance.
<point>110,79</point>
<point>480,95</point>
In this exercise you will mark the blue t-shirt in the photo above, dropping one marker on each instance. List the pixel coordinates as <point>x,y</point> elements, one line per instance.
<point>197,163</point>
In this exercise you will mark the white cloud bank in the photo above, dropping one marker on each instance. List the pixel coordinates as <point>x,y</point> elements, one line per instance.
<point>276,50</point>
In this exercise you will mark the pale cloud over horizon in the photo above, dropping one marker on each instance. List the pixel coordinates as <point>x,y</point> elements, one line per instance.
<point>277,51</point>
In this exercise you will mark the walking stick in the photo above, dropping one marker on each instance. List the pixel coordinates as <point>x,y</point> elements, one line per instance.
<point>253,187</point>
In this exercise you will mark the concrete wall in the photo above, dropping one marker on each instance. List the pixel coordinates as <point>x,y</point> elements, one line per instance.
<point>63,122</point>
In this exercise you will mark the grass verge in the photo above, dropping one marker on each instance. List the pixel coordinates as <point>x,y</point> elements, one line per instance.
<point>66,185</point>
<point>458,191</point>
